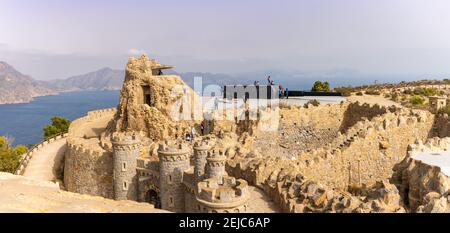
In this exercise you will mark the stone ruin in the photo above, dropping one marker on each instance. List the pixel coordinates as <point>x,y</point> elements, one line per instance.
<point>347,157</point>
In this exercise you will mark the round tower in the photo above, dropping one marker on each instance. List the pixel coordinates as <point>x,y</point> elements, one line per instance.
<point>215,164</point>
<point>126,149</point>
<point>173,161</point>
<point>201,149</point>
<point>227,195</point>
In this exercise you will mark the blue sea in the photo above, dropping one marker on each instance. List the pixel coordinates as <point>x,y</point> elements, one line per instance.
<point>24,122</point>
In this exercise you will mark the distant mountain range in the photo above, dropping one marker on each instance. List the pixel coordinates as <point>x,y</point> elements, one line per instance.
<point>16,87</point>
<point>100,80</point>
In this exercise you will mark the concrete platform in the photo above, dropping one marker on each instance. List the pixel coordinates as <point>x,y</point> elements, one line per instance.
<point>439,159</point>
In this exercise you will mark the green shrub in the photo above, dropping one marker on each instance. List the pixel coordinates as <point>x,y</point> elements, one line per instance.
<point>359,93</point>
<point>9,156</point>
<point>425,91</point>
<point>321,86</point>
<point>59,125</point>
<point>417,100</point>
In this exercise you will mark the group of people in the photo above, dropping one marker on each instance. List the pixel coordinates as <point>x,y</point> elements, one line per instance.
<point>283,92</point>
<point>189,136</point>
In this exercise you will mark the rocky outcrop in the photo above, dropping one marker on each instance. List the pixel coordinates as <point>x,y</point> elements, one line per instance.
<point>162,106</point>
<point>298,195</point>
<point>424,187</point>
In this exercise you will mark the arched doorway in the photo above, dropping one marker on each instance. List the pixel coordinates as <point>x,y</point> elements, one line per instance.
<point>152,197</point>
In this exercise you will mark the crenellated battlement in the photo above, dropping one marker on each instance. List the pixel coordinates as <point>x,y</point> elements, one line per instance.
<point>432,144</point>
<point>202,145</point>
<point>126,141</point>
<point>216,155</point>
<point>78,146</point>
<point>173,151</point>
<point>76,125</point>
<point>227,193</point>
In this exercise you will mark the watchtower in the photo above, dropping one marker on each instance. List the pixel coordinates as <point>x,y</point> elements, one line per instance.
<point>126,149</point>
<point>201,149</point>
<point>173,161</point>
<point>215,164</point>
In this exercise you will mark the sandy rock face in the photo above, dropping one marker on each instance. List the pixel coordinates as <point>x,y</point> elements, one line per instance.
<point>162,106</point>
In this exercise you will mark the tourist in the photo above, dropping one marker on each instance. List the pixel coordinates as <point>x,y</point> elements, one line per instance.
<point>269,80</point>
<point>287,93</point>
<point>202,128</point>
<point>216,103</point>
<point>187,137</point>
<point>193,133</point>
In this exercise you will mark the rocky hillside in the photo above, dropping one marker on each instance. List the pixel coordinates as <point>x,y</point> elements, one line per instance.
<point>16,87</point>
<point>103,79</point>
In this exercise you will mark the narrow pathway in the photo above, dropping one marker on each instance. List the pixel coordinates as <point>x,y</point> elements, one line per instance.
<point>46,160</point>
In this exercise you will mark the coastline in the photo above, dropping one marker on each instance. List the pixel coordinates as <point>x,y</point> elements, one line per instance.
<point>27,101</point>
<point>53,94</point>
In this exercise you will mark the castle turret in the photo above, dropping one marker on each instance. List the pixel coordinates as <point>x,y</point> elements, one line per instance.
<point>226,195</point>
<point>126,149</point>
<point>173,161</point>
<point>201,149</point>
<point>215,164</point>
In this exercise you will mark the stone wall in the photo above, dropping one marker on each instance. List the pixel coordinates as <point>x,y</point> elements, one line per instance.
<point>356,112</point>
<point>90,125</point>
<point>370,151</point>
<point>88,165</point>
<point>303,129</point>
<point>364,155</point>
<point>88,170</point>
<point>295,194</point>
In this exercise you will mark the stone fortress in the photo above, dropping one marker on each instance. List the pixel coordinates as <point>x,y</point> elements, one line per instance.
<point>343,157</point>
<point>172,183</point>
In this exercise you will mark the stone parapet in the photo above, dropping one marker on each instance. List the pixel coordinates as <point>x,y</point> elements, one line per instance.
<point>227,194</point>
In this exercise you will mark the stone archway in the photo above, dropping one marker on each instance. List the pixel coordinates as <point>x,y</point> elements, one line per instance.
<point>152,197</point>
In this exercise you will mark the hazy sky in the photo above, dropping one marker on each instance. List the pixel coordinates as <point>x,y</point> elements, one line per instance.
<point>55,39</point>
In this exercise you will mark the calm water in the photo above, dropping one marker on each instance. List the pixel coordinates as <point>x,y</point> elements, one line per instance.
<point>24,122</point>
